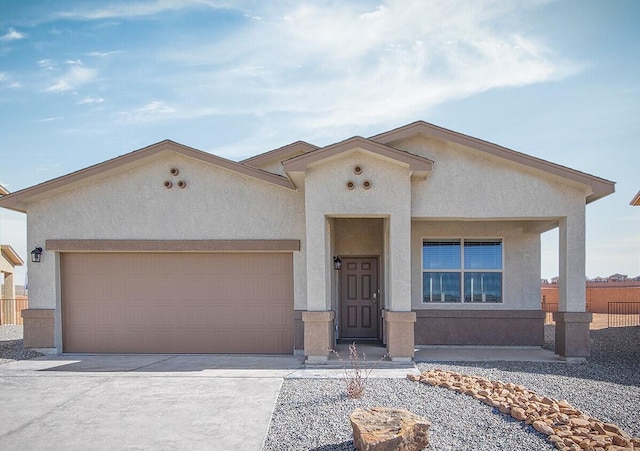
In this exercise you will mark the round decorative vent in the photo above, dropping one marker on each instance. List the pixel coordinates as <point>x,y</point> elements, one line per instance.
<point>357,170</point>
<point>366,184</point>
<point>174,171</point>
<point>168,184</point>
<point>182,184</point>
<point>350,185</point>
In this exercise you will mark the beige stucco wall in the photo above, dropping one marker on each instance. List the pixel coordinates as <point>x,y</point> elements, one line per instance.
<point>521,263</point>
<point>327,196</point>
<point>466,183</point>
<point>134,204</point>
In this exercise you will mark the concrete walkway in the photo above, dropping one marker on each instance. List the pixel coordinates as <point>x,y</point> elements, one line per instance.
<point>79,402</point>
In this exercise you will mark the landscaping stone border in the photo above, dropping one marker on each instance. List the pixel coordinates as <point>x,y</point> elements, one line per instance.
<point>566,427</point>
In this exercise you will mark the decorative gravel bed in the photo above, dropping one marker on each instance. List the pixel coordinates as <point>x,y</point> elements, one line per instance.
<point>314,414</point>
<point>11,345</point>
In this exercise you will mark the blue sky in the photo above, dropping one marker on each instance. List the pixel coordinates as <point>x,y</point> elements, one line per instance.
<point>83,82</point>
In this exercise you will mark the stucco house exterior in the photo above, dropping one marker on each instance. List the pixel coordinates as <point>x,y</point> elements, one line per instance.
<point>437,236</point>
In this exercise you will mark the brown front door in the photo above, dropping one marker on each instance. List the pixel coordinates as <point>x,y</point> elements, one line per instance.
<point>359,298</point>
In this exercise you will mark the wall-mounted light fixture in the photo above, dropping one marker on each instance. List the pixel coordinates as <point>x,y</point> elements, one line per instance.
<point>337,263</point>
<point>36,255</point>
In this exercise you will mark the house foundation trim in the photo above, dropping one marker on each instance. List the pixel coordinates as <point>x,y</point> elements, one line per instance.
<point>490,327</point>
<point>572,334</point>
<point>39,328</point>
<point>400,335</point>
<point>318,335</point>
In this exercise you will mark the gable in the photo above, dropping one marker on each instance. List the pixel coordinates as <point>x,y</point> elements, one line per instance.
<point>18,201</point>
<point>595,187</point>
<point>296,167</point>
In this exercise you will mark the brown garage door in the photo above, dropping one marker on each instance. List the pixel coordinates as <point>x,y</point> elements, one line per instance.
<point>177,303</point>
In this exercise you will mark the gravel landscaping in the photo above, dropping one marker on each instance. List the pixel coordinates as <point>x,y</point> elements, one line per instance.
<point>314,414</point>
<point>11,345</point>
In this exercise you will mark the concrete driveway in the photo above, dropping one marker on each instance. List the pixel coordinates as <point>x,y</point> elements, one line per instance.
<point>74,402</point>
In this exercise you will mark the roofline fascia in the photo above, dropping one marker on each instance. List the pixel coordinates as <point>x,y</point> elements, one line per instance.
<point>299,164</point>
<point>12,254</point>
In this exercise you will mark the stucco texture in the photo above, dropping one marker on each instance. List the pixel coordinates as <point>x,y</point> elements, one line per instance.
<point>134,204</point>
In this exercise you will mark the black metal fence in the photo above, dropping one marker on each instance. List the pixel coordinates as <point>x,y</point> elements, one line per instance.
<point>623,314</point>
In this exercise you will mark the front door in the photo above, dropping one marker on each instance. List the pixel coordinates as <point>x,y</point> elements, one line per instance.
<point>359,298</point>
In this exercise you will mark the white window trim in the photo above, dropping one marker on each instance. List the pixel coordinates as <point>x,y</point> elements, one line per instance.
<point>461,271</point>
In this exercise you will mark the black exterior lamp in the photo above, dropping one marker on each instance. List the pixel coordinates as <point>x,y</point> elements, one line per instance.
<point>337,263</point>
<point>36,255</point>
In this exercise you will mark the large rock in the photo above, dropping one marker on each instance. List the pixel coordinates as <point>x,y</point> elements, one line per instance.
<point>384,429</point>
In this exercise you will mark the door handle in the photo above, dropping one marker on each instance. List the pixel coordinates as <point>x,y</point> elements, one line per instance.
<point>375,297</point>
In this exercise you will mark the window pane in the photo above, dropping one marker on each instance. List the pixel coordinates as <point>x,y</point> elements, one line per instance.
<point>441,286</point>
<point>483,254</point>
<point>482,287</point>
<point>441,254</point>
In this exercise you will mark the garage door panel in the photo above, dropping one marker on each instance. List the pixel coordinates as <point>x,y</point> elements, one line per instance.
<point>177,303</point>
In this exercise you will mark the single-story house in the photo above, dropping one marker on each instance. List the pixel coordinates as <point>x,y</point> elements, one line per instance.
<point>416,236</point>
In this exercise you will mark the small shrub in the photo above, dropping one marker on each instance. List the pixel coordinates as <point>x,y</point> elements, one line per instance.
<point>356,371</point>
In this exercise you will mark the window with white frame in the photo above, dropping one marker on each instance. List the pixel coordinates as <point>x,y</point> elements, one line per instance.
<point>462,270</point>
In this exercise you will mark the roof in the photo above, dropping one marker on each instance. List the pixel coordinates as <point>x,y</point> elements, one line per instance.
<point>17,200</point>
<point>636,200</point>
<point>281,153</point>
<point>599,187</point>
<point>300,154</point>
<point>11,255</point>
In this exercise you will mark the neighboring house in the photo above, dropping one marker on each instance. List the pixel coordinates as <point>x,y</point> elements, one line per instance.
<point>617,277</point>
<point>636,200</point>
<point>3,191</point>
<point>9,259</point>
<point>437,235</point>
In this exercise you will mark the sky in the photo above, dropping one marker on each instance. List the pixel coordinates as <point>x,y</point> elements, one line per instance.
<point>83,82</point>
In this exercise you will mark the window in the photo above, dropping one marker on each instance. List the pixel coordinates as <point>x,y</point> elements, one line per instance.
<point>462,270</point>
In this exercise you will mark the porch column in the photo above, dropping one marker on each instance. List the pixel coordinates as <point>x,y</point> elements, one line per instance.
<point>572,319</point>
<point>399,320</point>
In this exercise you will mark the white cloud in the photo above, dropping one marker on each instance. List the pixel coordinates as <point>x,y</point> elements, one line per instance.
<point>336,64</point>
<point>13,35</point>
<point>105,54</point>
<point>152,111</point>
<point>77,75</point>
<point>136,9</point>
<point>91,101</point>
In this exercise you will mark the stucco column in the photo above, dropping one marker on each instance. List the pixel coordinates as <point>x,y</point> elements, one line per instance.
<point>9,286</point>
<point>572,321</point>
<point>400,262</point>
<point>318,275</point>
<point>400,335</point>
<point>318,335</point>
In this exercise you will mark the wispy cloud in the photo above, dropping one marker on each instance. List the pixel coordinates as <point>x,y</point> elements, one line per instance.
<point>49,119</point>
<point>77,75</point>
<point>395,60</point>
<point>152,111</point>
<point>105,54</point>
<point>13,35</point>
<point>134,9</point>
<point>91,101</point>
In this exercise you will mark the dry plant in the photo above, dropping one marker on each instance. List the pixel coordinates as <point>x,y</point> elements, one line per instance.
<point>356,372</point>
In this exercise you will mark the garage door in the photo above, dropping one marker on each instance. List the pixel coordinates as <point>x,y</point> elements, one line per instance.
<point>177,302</point>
